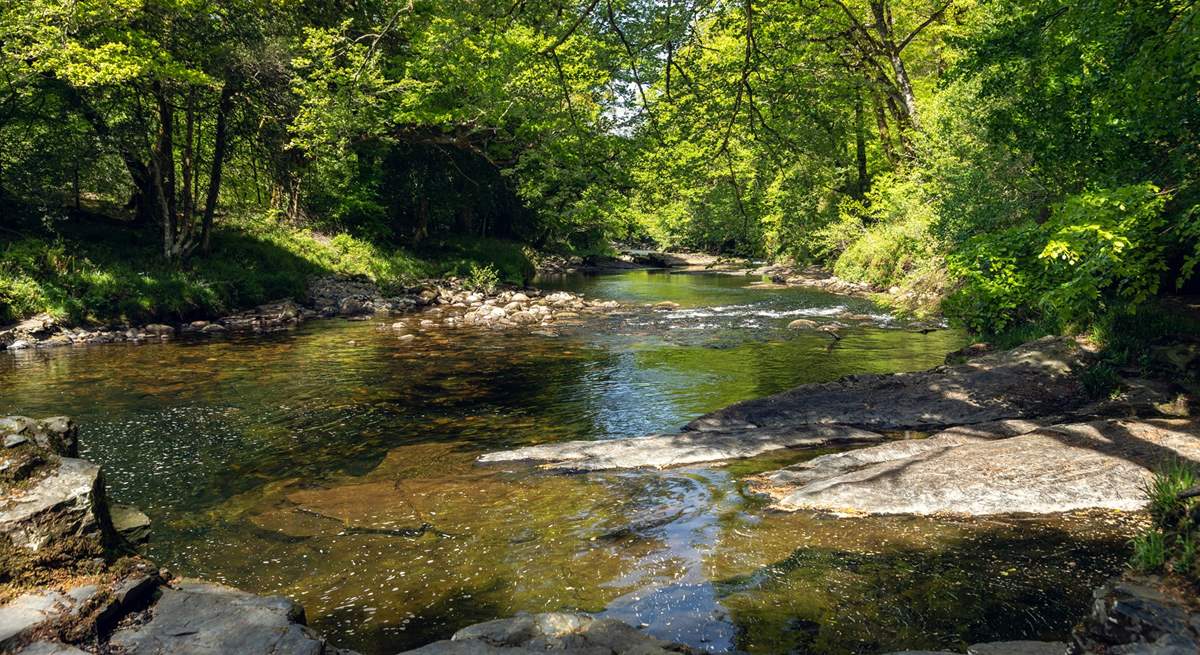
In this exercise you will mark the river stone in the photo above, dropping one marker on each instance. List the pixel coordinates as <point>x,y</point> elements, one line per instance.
<point>131,523</point>
<point>1098,464</point>
<point>67,503</point>
<point>1032,380</point>
<point>571,634</point>
<point>201,618</point>
<point>665,450</point>
<point>802,324</point>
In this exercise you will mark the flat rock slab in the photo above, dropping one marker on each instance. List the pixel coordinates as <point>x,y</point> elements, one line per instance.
<point>1098,464</point>
<point>570,634</point>
<point>1036,379</point>
<point>200,618</point>
<point>662,451</point>
<point>1018,648</point>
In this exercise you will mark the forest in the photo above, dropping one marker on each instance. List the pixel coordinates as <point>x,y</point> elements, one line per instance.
<point>1017,162</point>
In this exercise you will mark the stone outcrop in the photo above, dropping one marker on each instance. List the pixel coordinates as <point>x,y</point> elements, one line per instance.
<point>666,450</point>
<point>1097,464</point>
<point>46,494</point>
<point>570,634</point>
<point>1036,379</point>
<point>1134,617</point>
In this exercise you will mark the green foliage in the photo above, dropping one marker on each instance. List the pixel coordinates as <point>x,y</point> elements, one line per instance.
<point>1173,538</point>
<point>482,278</point>
<point>1101,251</point>
<point>1100,380</point>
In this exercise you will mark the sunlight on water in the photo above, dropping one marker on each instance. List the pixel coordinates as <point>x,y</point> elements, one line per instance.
<point>335,464</point>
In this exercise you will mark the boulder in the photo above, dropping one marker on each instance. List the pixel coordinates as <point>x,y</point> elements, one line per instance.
<point>570,634</point>
<point>665,450</point>
<point>1097,464</point>
<point>200,618</point>
<point>68,503</point>
<point>802,324</point>
<point>1036,379</point>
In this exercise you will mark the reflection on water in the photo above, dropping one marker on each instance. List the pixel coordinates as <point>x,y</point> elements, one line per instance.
<point>334,464</point>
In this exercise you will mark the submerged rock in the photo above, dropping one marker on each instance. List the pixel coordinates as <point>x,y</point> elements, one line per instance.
<point>130,523</point>
<point>1035,379</point>
<point>1097,464</point>
<point>571,634</point>
<point>661,451</point>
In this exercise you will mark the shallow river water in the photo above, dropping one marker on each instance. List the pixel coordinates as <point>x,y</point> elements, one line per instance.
<point>334,464</point>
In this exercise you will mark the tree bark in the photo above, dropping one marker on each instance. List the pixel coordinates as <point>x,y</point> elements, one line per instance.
<point>220,146</point>
<point>860,144</point>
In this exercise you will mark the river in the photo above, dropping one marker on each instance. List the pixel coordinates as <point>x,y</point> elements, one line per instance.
<point>335,464</point>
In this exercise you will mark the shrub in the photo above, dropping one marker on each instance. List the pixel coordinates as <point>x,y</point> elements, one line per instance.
<point>483,278</point>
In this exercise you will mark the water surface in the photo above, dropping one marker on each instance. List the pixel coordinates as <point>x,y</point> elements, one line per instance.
<point>334,464</point>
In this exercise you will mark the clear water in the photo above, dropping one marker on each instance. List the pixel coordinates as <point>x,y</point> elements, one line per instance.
<point>334,464</point>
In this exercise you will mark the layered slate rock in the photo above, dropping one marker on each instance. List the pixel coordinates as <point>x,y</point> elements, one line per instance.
<point>662,451</point>
<point>1096,464</point>
<point>1036,379</point>
<point>1135,617</point>
<point>68,503</point>
<point>201,618</point>
<point>570,634</point>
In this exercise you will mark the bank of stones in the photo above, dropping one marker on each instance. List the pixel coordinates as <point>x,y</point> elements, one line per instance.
<point>447,302</point>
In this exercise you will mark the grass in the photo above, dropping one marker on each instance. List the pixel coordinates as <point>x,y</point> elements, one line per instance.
<point>1171,543</point>
<point>96,271</point>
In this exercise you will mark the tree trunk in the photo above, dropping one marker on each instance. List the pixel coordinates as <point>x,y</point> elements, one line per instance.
<point>860,144</point>
<point>887,39</point>
<point>220,146</point>
<point>885,133</point>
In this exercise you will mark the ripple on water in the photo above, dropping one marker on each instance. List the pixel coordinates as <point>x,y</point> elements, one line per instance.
<point>335,464</point>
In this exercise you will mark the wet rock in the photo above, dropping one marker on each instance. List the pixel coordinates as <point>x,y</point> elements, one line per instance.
<point>1097,464</point>
<point>1032,380</point>
<point>802,324</point>
<point>130,523</point>
<point>200,618</point>
<point>1133,617</point>
<point>661,451</point>
<point>572,634</point>
<point>20,344</point>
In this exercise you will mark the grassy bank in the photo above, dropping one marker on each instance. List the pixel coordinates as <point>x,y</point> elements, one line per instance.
<point>98,271</point>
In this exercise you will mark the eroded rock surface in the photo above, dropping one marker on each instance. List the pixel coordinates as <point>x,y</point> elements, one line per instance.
<point>571,634</point>
<point>662,451</point>
<point>1096,464</point>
